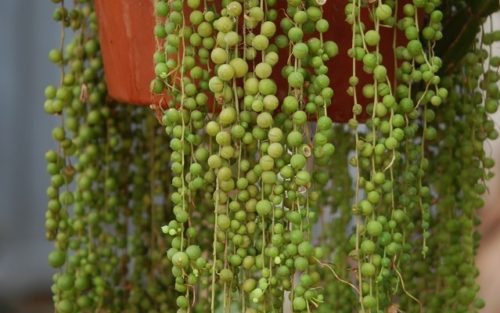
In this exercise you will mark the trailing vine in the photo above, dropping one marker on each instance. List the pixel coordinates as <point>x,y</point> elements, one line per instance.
<point>249,195</point>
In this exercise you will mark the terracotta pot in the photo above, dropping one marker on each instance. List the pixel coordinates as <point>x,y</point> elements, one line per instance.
<point>128,44</point>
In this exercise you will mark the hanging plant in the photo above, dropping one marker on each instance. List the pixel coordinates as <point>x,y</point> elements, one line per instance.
<point>318,156</point>
<point>109,182</point>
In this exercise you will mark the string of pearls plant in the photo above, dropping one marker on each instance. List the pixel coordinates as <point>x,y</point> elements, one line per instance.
<point>110,182</point>
<point>255,200</point>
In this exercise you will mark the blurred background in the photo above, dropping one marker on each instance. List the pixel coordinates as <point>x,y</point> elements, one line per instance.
<point>27,33</point>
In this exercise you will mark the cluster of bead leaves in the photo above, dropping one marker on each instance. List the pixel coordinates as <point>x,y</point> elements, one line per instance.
<point>109,185</point>
<point>262,210</point>
<point>244,170</point>
<point>249,167</point>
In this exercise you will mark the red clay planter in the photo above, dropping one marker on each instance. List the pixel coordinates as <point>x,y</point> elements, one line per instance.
<point>128,44</point>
